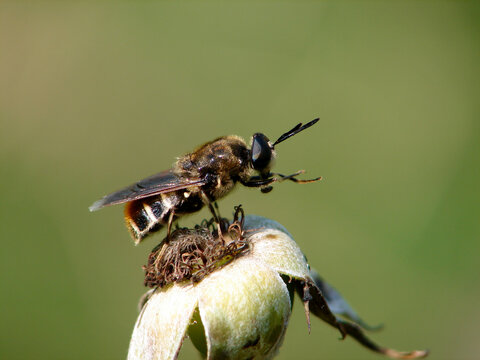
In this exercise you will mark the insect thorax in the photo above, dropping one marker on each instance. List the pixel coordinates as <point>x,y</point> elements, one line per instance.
<point>222,162</point>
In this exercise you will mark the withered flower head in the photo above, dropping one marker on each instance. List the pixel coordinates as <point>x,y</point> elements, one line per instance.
<point>233,294</point>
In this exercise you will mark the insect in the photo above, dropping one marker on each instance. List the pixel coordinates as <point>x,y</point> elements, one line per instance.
<point>198,179</point>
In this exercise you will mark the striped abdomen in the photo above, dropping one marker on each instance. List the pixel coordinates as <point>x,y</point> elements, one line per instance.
<point>148,215</point>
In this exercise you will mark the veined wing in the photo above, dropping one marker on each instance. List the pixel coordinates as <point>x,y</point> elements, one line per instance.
<point>163,182</point>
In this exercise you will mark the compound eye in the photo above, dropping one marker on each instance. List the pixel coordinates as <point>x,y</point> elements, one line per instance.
<point>261,152</point>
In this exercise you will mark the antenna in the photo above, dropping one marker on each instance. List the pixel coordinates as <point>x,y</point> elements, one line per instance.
<point>295,130</point>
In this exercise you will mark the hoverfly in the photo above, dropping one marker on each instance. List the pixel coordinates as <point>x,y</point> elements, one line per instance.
<point>197,179</point>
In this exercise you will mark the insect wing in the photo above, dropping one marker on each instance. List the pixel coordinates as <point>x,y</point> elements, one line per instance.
<point>163,182</point>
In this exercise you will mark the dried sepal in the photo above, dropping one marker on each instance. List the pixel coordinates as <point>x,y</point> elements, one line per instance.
<point>337,304</point>
<point>317,304</point>
<point>314,302</point>
<point>357,333</point>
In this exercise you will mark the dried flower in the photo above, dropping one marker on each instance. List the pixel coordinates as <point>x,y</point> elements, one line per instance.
<point>233,295</point>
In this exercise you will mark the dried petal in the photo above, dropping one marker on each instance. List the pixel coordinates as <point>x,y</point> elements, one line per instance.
<point>279,251</point>
<point>273,244</point>
<point>245,309</point>
<point>255,223</point>
<point>162,324</point>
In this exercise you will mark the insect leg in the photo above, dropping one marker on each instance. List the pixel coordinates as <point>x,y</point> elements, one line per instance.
<point>236,227</point>
<point>169,224</point>
<point>292,177</point>
<point>257,181</point>
<point>215,204</point>
<point>216,218</point>
<point>239,214</point>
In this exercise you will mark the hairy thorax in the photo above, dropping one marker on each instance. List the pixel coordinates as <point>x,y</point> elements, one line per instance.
<point>222,162</point>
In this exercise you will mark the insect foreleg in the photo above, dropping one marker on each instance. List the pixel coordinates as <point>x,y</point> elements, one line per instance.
<point>292,177</point>
<point>257,181</point>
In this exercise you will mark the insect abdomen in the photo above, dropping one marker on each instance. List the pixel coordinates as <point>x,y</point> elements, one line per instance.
<point>146,216</point>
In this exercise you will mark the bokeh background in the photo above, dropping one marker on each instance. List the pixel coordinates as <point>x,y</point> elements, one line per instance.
<point>94,96</point>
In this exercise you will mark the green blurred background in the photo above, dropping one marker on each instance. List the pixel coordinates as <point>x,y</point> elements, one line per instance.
<point>94,96</point>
